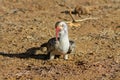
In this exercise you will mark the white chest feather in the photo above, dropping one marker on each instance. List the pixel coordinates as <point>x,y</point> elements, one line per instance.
<point>64,45</point>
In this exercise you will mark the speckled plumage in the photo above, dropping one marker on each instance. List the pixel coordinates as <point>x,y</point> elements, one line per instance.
<point>61,45</point>
<point>53,46</point>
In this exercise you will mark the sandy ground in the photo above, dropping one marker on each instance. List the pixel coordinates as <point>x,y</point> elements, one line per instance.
<point>26,24</point>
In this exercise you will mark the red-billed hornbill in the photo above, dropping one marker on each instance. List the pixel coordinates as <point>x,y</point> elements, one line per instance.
<point>60,45</point>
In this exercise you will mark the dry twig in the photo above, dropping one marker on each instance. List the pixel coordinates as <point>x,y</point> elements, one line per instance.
<point>73,19</point>
<point>81,20</point>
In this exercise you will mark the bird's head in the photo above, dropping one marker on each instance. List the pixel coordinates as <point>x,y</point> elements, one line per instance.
<point>61,29</point>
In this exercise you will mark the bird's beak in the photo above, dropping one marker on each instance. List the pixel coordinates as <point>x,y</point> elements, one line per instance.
<point>57,32</point>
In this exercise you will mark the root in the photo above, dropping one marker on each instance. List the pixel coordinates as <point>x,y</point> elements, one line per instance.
<point>75,21</point>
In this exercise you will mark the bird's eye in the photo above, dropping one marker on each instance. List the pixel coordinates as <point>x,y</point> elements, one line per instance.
<point>62,25</point>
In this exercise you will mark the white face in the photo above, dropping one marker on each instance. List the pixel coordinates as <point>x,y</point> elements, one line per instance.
<point>63,26</point>
<point>61,29</point>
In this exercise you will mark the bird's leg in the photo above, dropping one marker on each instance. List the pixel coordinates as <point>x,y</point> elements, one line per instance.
<point>52,56</point>
<point>66,56</point>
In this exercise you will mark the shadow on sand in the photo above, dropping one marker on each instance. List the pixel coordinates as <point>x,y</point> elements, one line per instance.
<point>30,53</point>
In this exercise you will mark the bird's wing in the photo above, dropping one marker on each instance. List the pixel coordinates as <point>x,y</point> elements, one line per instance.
<point>72,46</point>
<point>51,45</point>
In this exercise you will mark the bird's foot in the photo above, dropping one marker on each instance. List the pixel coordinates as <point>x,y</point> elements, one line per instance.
<point>52,56</point>
<point>66,56</point>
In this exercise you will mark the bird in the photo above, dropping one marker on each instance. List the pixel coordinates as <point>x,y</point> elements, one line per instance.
<point>60,44</point>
